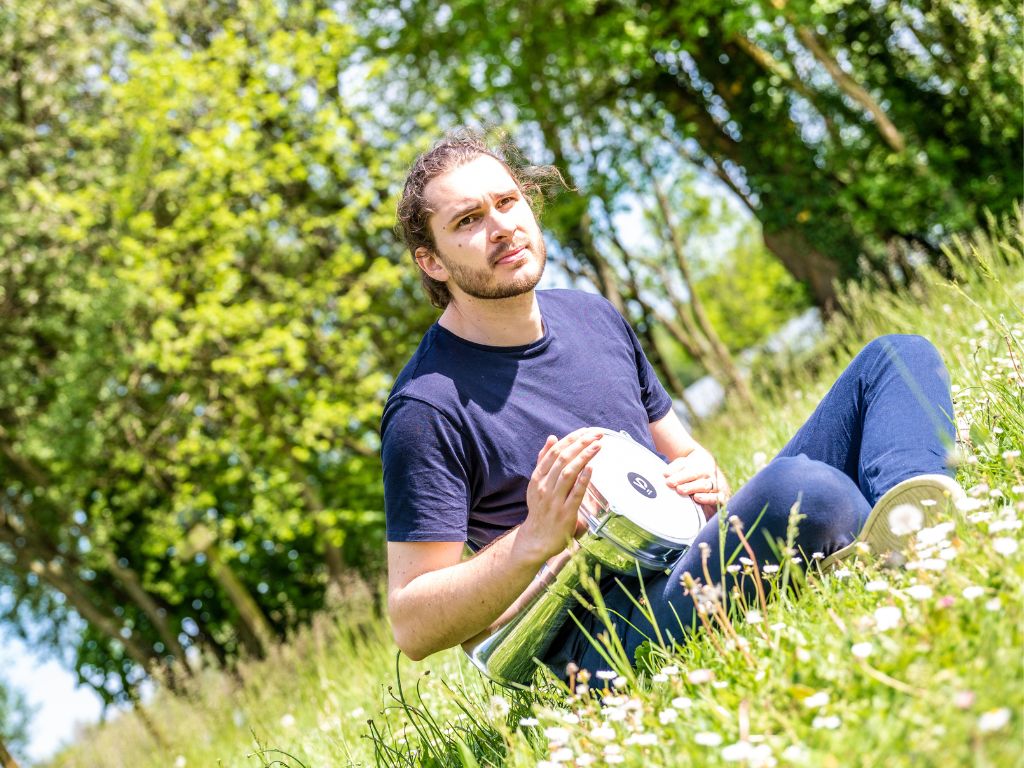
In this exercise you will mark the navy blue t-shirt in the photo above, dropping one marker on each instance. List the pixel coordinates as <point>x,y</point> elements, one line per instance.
<point>464,422</point>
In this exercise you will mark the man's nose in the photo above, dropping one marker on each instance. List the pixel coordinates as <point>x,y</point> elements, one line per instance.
<point>503,225</point>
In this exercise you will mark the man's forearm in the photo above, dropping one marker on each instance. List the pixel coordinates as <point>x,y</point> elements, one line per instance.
<point>446,607</point>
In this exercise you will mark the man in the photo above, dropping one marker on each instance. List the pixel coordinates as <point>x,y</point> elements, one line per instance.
<point>485,436</point>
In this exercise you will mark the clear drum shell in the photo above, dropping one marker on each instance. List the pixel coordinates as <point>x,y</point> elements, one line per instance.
<point>632,515</point>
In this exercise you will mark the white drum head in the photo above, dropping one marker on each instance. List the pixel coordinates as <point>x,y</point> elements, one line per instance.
<point>631,478</point>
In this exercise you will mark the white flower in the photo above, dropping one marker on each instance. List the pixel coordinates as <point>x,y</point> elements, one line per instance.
<point>329,723</point>
<point>878,585</point>
<point>770,568</point>
<point>288,720</point>
<point>733,753</point>
<point>642,739</point>
<point>1011,524</point>
<point>794,753</point>
<point>584,760</point>
<point>756,756</point>
<point>967,504</point>
<point>760,460</point>
<point>995,604</point>
<point>934,535</point>
<point>828,722</point>
<point>904,519</point>
<point>862,650</point>
<point>671,669</point>
<point>571,718</point>
<point>529,721</point>
<point>556,735</point>
<point>562,755</point>
<point>620,682</point>
<point>667,716</point>
<point>754,617</point>
<point>994,720</point>
<point>887,617</point>
<point>699,676</point>
<point>963,699</point>
<point>919,592</point>
<point>973,592</point>
<point>707,739</point>
<point>682,702</point>
<point>615,714</point>
<point>1004,546</point>
<point>659,678</point>
<point>602,733</point>
<point>815,700</point>
<point>606,674</point>
<point>180,761</point>
<point>499,706</point>
<point>842,573</point>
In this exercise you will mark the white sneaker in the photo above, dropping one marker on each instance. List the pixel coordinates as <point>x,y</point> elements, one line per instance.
<point>932,495</point>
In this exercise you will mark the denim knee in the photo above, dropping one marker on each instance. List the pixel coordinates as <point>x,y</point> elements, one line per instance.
<point>830,504</point>
<point>907,346</point>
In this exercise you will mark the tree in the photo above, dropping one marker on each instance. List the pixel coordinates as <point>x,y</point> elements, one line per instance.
<point>14,719</point>
<point>860,135</point>
<point>201,314</point>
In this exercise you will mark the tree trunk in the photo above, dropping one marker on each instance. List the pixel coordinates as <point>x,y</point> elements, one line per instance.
<point>853,89</point>
<point>718,348</point>
<point>806,264</point>
<point>6,759</point>
<point>254,630</point>
<point>130,580</point>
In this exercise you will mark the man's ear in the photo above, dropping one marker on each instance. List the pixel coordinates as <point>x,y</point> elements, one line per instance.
<point>430,264</point>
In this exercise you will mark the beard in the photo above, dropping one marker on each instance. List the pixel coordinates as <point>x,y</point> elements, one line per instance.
<point>483,283</point>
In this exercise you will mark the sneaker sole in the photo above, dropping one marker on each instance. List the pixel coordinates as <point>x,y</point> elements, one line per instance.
<point>941,489</point>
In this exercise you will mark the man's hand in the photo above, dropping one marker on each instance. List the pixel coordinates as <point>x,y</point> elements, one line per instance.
<point>556,490</point>
<point>697,474</point>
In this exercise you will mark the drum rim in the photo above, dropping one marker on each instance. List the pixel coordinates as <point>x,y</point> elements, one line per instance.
<point>664,539</point>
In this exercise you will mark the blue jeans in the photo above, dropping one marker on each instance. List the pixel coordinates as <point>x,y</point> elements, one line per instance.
<point>888,417</point>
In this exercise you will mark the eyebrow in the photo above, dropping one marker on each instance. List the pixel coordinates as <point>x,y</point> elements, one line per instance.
<point>470,204</point>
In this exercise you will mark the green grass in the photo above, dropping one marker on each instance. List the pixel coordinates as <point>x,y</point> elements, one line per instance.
<point>869,666</point>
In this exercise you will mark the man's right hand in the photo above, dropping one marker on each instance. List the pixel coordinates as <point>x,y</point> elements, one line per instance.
<point>556,490</point>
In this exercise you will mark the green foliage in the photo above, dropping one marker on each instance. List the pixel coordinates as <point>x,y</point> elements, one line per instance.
<point>748,294</point>
<point>861,135</point>
<point>203,305</point>
<point>15,715</point>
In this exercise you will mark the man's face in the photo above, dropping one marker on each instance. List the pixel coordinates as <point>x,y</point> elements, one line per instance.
<point>488,243</point>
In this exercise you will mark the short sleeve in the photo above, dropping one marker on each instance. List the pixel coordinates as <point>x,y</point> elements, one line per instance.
<point>656,400</point>
<point>426,485</point>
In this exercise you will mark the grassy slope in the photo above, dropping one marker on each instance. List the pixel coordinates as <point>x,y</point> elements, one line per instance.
<point>934,689</point>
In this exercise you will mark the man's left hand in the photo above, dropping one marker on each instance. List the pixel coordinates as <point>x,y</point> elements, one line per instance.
<point>697,474</point>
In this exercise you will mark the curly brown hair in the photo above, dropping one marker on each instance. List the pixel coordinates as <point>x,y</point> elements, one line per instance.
<point>459,147</point>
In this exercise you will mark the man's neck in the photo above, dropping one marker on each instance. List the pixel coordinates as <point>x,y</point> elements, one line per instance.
<point>513,322</point>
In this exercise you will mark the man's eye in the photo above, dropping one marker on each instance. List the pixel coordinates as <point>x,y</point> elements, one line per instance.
<point>466,220</point>
<point>505,200</point>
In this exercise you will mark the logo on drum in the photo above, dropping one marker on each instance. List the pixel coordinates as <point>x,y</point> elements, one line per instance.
<point>642,485</point>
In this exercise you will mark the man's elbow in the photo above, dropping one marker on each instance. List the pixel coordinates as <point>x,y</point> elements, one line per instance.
<point>408,644</point>
<point>404,635</point>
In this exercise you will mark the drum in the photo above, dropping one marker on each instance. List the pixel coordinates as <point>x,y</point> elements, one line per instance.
<point>633,519</point>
